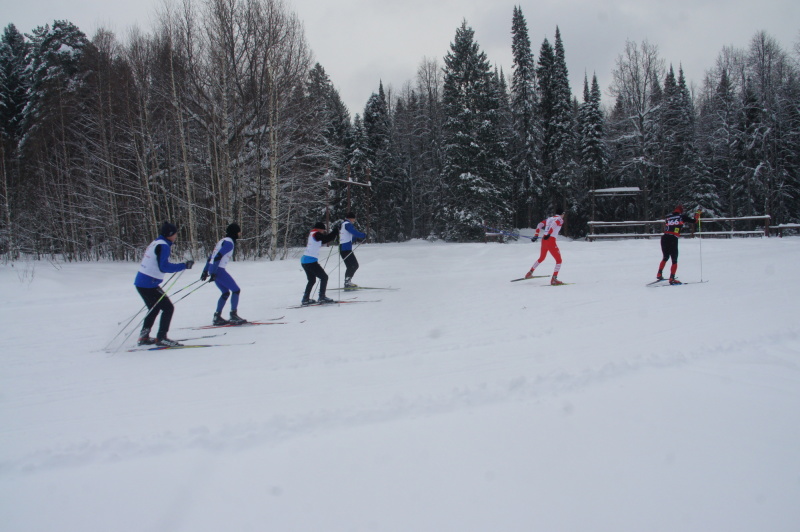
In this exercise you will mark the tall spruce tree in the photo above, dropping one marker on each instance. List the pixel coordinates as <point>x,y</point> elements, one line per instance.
<point>544,76</point>
<point>13,99</point>
<point>559,153</point>
<point>13,82</point>
<point>475,173</point>
<point>527,130</point>
<point>717,119</point>
<point>384,197</point>
<point>593,152</point>
<point>331,115</point>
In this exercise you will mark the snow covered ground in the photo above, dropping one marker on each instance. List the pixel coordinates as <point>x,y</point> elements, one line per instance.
<point>461,402</point>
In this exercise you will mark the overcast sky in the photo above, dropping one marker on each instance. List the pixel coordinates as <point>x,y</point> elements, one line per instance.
<point>361,42</point>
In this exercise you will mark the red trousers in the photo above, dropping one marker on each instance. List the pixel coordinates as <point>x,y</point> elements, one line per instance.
<point>550,246</point>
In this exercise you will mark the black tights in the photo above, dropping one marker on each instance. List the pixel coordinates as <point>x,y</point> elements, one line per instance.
<point>669,248</point>
<point>156,301</point>
<point>313,272</point>
<point>350,262</point>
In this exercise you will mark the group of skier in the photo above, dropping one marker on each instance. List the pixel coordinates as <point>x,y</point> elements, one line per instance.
<point>673,225</point>
<point>155,265</point>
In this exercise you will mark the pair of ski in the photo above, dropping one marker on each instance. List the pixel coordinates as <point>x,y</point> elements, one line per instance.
<point>334,303</point>
<point>183,346</point>
<point>272,321</point>
<point>539,277</point>
<point>356,288</point>
<point>658,283</point>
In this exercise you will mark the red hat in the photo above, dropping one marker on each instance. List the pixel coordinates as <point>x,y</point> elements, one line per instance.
<point>679,208</point>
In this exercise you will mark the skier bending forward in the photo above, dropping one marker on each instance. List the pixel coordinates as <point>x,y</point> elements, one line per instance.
<point>551,227</point>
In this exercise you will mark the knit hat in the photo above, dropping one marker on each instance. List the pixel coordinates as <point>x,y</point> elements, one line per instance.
<point>679,208</point>
<point>350,215</point>
<point>167,229</point>
<point>319,225</point>
<point>233,231</point>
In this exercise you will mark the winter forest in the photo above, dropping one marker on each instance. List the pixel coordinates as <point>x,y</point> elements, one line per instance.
<point>221,115</point>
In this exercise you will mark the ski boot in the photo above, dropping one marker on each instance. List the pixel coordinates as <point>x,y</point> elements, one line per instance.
<point>659,276</point>
<point>219,320</point>
<point>349,284</point>
<point>236,319</point>
<point>529,274</point>
<point>555,282</point>
<point>324,300</point>
<point>166,342</point>
<point>144,337</point>
<point>673,280</point>
<point>307,302</point>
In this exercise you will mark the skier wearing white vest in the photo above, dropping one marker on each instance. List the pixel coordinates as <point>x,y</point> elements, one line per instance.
<point>151,273</point>
<point>347,233</point>
<point>551,226</point>
<point>216,271</point>
<point>310,263</point>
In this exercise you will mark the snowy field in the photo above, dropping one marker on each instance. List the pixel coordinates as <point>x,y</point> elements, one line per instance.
<point>460,402</point>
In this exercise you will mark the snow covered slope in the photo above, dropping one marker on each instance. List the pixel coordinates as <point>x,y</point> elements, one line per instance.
<point>459,402</point>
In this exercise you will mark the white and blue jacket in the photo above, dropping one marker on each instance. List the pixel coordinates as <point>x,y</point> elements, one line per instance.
<point>346,235</point>
<point>222,253</point>
<point>156,263</point>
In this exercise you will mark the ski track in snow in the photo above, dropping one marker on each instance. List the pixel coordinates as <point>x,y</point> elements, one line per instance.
<point>552,386</point>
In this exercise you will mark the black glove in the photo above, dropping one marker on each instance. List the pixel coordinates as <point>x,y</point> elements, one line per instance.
<point>534,239</point>
<point>189,264</point>
<point>545,237</point>
<point>204,275</point>
<point>213,277</point>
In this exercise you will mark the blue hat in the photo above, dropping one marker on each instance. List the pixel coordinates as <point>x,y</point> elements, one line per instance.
<point>168,229</point>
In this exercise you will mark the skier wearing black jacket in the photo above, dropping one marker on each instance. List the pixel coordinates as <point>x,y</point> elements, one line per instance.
<point>673,225</point>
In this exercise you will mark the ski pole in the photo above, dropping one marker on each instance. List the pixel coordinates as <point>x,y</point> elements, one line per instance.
<point>163,295</point>
<point>515,235</point>
<point>700,236</point>
<point>135,315</point>
<point>346,256</point>
<point>190,293</point>
<point>339,265</point>
<point>316,286</point>
<point>141,309</point>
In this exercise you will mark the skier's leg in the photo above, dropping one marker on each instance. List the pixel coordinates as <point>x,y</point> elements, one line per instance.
<point>312,278</point>
<point>167,308</point>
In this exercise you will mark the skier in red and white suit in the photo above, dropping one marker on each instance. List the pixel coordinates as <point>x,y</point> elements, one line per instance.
<point>551,226</point>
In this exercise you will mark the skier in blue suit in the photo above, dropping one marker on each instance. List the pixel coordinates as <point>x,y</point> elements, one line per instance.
<point>215,270</point>
<point>151,273</point>
<point>347,233</point>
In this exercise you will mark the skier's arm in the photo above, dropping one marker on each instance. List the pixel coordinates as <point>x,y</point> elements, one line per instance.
<point>353,231</point>
<point>162,256</point>
<point>328,237</point>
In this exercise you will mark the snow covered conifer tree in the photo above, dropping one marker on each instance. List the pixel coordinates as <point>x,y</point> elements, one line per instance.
<point>13,98</point>
<point>559,153</point>
<point>385,194</point>
<point>593,152</point>
<point>474,173</point>
<point>526,160</point>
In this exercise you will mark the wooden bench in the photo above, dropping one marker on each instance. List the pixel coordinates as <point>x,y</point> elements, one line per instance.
<point>781,227</point>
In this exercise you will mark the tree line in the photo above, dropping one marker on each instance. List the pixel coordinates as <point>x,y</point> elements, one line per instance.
<point>221,115</point>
